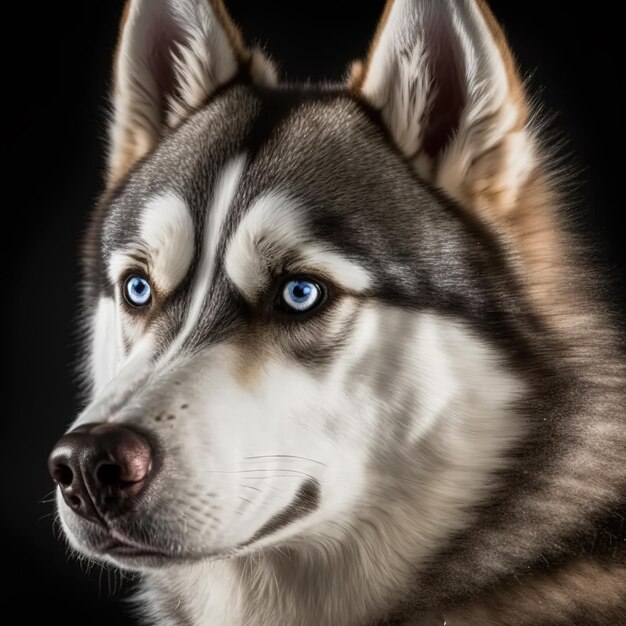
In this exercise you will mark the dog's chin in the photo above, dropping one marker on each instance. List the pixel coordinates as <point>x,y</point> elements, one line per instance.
<point>116,548</point>
<point>114,545</point>
<point>127,553</point>
<point>131,558</point>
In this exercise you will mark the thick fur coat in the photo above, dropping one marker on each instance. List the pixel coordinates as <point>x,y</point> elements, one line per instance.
<point>440,438</point>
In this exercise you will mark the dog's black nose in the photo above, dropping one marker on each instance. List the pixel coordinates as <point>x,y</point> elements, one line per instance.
<point>101,469</point>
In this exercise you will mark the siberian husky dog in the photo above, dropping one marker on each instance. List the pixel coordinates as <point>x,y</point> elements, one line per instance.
<point>346,364</point>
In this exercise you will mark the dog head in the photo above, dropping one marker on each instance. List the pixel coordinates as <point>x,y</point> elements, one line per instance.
<point>295,311</point>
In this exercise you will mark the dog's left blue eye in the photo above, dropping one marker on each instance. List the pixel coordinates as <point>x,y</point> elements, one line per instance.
<point>300,295</point>
<point>137,291</point>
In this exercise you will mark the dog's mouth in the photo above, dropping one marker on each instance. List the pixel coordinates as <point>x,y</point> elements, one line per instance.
<point>122,548</point>
<point>125,546</point>
<point>123,541</point>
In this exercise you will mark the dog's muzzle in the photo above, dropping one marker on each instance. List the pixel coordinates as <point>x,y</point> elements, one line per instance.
<point>102,469</point>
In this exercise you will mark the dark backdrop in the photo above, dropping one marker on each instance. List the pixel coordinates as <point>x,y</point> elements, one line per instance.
<point>56,77</point>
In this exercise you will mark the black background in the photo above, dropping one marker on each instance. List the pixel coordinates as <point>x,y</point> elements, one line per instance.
<point>56,78</point>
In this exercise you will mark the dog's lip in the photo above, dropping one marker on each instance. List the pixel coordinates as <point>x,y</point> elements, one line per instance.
<point>117,548</point>
<point>119,544</point>
<point>129,552</point>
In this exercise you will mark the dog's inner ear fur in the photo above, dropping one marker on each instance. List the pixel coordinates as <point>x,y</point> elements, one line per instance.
<point>172,55</point>
<point>443,78</point>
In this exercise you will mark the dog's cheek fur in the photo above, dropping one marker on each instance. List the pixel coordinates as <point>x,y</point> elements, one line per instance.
<point>106,350</point>
<point>401,436</point>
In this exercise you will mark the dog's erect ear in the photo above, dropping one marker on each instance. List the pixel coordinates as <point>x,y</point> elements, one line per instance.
<point>172,54</point>
<point>445,82</point>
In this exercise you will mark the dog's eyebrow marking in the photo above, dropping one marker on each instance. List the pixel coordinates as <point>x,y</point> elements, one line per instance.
<point>274,228</point>
<point>165,246</point>
<point>220,202</point>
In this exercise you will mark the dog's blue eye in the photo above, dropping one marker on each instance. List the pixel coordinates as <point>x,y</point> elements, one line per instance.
<point>137,291</point>
<point>300,295</point>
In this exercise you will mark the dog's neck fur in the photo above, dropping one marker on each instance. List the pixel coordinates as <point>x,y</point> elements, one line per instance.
<point>353,585</point>
<point>355,578</point>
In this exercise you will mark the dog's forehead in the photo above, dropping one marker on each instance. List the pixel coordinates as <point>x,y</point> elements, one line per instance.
<point>320,146</point>
<point>186,164</point>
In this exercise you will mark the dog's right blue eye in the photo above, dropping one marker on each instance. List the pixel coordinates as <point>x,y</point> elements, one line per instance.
<point>300,295</point>
<point>137,291</point>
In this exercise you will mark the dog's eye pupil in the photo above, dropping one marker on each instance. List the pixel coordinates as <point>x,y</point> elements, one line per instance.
<point>299,295</point>
<point>301,290</point>
<point>137,291</point>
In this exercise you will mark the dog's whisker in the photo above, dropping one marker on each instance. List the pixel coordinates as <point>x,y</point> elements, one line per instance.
<point>260,470</point>
<point>250,487</point>
<point>45,516</point>
<point>287,457</point>
<point>269,477</point>
<point>49,497</point>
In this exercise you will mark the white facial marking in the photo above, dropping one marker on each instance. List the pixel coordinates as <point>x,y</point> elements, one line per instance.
<point>130,373</point>
<point>477,385</point>
<point>276,226</point>
<point>167,229</point>
<point>166,241</point>
<point>224,193</point>
<point>106,345</point>
<point>399,466</point>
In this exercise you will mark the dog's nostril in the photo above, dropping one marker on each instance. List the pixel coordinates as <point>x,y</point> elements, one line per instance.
<point>101,469</point>
<point>63,474</point>
<point>109,474</point>
<point>74,501</point>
